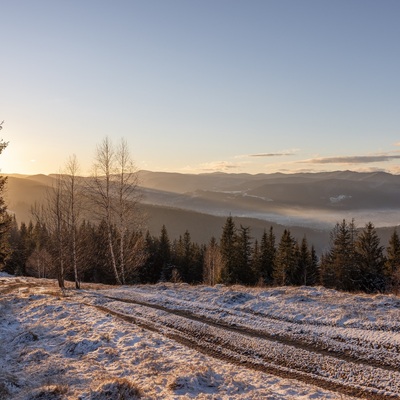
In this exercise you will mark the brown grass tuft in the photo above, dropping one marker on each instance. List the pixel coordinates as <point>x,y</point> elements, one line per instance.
<point>116,389</point>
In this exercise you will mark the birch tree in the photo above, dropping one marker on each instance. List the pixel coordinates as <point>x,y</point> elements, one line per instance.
<point>52,213</point>
<point>113,192</point>
<point>212,263</point>
<point>125,208</point>
<point>73,193</point>
<point>100,192</point>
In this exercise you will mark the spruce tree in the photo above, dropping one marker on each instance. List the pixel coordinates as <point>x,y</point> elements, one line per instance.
<point>228,246</point>
<point>256,264</point>
<point>163,259</point>
<point>303,263</point>
<point>370,259</point>
<point>267,256</point>
<point>243,272</point>
<point>12,262</point>
<point>392,264</point>
<point>286,263</point>
<point>188,258</point>
<point>341,267</point>
<point>313,274</point>
<point>150,272</point>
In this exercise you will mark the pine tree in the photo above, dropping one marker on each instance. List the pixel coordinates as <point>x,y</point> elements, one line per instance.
<point>24,249</point>
<point>195,271</point>
<point>392,264</point>
<point>228,246</point>
<point>303,263</point>
<point>256,264</point>
<point>243,272</point>
<point>188,258</point>
<point>40,262</point>
<point>313,274</point>
<point>286,263</point>
<point>267,256</point>
<point>370,259</point>
<point>340,266</point>
<point>163,259</point>
<point>102,265</point>
<point>12,261</point>
<point>327,276</point>
<point>150,271</point>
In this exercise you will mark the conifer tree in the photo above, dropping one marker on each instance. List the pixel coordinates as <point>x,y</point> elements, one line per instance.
<point>188,257</point>
<point>24,248</point>
<point>267,255</point>
<point>12,262</point>
<point>313,274</point>
<point>86,251</point>
<point>243,272</point>
<point>340,266</point>
<point>370,259</point>
<point>392,264</point>
<point>303,263</point>
<point>150,272</point>
<point>286,263</point>
<point>163,257</point>
<point>256,264</point>
<point>195,270</point>
<point>228,246</point>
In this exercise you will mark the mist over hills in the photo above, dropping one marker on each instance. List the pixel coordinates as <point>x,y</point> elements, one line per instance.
<point>307,203</point>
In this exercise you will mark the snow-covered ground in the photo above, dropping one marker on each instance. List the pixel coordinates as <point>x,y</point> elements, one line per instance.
<point>175,341</point>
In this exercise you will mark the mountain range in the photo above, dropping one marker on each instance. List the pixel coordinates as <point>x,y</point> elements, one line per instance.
<point>306,203</point>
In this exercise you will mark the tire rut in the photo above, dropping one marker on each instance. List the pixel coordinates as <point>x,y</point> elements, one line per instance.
<point>257,334</point>
<point>224,351</point>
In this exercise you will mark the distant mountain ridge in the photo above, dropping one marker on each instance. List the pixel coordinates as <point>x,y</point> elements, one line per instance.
<point>306,202</point>
<point>297,197</point>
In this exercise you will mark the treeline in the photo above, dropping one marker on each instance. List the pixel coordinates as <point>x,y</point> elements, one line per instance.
<point>89,230</point>
<point>355,261</point>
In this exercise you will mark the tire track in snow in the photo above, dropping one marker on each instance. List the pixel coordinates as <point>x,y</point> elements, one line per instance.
<point>257,334</point>
<point>203,339</point>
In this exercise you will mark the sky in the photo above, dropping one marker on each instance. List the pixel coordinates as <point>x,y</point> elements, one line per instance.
<point>199,86</point>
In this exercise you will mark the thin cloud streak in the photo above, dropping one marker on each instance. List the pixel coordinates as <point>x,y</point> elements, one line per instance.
<point>219,166</point>
<point>270,154</point>
<point>351,159</point>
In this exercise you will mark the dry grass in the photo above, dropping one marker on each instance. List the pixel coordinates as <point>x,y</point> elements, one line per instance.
<point>116,389</point>
<point>48,392</point>
<point>200,377</point>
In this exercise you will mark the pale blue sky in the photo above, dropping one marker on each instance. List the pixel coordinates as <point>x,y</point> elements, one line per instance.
<point>202,85</point>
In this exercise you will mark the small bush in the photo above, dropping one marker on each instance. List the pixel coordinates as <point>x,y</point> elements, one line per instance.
<point>116,389</point>
<point>49,392</point>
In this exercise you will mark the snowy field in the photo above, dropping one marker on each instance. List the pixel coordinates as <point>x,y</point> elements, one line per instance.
<point>174,341</point>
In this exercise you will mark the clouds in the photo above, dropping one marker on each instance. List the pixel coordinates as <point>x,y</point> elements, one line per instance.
<point>271,154</point>
<point>283,153</point>
<point>352,159</point>
<point>294,161</point>
<point>223,166</point>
